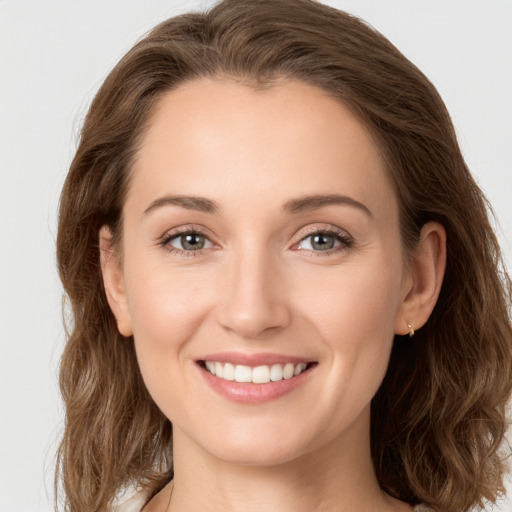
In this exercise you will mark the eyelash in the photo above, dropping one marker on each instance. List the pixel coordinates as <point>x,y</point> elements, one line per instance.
<point>339,235</point>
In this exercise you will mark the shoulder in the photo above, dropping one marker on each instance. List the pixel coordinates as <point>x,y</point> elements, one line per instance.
<point>422,508</point>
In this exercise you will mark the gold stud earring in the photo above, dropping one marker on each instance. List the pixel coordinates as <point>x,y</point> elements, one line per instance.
<point>411,331</point>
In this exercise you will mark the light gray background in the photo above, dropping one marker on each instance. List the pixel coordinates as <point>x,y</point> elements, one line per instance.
<point>53,56</point>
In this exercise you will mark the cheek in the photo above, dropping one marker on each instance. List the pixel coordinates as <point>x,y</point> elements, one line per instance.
<point>163,301</point>
<point>167,309</point>
<point>355,317</point>
<point>353,302</point>
<point>166,315</point>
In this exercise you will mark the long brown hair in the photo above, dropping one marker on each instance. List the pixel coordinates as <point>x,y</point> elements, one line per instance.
<point>439,417</point>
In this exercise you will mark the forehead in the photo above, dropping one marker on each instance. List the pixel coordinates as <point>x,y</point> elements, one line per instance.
<point>228,141</point>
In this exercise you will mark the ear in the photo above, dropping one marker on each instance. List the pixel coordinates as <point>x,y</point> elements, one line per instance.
<point>426,271</point>
<point>113,281</point>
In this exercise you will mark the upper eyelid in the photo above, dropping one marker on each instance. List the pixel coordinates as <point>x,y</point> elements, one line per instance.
<point>328,229</point>
<point>189,228</point>
<point>205,231</point>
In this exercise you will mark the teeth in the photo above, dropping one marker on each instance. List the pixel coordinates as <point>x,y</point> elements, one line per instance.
<point>229,372</point>
<point>288,371</point>
<point>276,372</point>
<point>242,373</point>
<point>298,369</point>
<point>257,375</point>
<point>261,375</point>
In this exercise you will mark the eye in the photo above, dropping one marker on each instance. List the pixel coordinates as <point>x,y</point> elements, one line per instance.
<point>186,242</point>
<point>326,241</point>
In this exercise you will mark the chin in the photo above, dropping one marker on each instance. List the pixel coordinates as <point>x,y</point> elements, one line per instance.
<point>246,446</point>
<point>257,456</point>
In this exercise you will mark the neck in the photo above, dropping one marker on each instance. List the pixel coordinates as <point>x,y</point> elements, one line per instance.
<point>338,476</point>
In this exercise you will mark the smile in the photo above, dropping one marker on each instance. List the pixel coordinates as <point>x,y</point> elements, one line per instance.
<point>262,374</point>
<point>254,378</point>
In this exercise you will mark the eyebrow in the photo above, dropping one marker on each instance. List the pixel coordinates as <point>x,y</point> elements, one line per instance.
<point>200,204</point>
<point>315,202</point>
<point>293,206</point>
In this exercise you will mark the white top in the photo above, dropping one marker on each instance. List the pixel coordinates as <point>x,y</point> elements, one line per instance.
<point>133,504</point>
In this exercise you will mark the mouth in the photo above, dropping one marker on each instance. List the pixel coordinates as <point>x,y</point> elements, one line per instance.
<point>261,374</point>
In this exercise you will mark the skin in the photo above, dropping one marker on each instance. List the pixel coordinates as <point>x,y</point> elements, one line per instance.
<point>259,285</point>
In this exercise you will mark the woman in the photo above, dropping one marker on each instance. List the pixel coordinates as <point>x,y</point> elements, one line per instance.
<point>279,301</point>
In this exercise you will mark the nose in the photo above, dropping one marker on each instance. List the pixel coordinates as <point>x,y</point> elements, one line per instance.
<point>253,302</point>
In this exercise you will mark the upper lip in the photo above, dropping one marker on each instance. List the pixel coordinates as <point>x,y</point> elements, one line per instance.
<point>247,359</point>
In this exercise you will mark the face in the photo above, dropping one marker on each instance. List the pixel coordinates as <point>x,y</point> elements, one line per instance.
<point>260,243</point>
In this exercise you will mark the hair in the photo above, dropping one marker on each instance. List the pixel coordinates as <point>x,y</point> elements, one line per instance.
<point>439,418</point>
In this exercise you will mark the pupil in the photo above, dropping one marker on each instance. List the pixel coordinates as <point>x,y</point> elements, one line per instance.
<point>192,241</point>
<point>323,242</point>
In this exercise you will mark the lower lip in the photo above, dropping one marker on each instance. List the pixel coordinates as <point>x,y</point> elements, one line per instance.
<point>249,393</point>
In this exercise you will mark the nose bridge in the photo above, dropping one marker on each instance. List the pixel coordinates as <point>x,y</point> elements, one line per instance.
<point>252,285</point>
